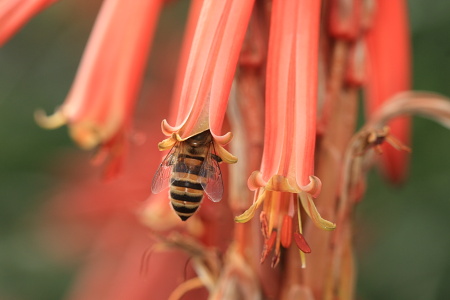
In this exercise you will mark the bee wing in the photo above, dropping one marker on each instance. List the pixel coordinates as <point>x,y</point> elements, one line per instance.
<point>210,176</point>
<point>162,180</point>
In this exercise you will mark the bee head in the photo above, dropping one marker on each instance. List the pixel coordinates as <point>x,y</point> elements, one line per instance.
<point>200,139</point>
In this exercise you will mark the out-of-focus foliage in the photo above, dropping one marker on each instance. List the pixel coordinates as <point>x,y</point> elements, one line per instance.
<point>402,234</point>
<point>37,67</point>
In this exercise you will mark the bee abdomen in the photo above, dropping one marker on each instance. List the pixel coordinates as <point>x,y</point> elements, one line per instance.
<point>184,211</point>
<point>187,184</point>
<point>186,197</point>
<point>185,200</point>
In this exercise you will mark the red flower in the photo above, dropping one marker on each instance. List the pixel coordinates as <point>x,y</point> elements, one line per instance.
<point>291,96</point>
<point>209,73</point>
<point>388,73</point>
<point>100,103</point>
<point>15,13</point>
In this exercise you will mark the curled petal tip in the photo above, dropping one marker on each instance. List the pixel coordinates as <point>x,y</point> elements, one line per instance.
<point>167,143</point>
<point>226,156</point>
<point>313,187</point>
<point>223,139</point>
<point>167,129</point>
<point>249,213</point>
<point>49,122</point>
<point>311,210</point>
<point>246,216</point>
<point>256,181</point>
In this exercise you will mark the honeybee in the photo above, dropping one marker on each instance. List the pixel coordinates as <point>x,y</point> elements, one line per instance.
<point>191,168</point>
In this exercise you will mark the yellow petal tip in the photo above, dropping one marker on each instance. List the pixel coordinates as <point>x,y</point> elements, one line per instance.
<point>167,143</point>
<point>49,122</point>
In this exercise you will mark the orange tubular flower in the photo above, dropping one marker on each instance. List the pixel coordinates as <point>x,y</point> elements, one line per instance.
<point>15,13</point>
<point>99,105</point>
<point>209,74</point>
<point>388,73</point>
<point>288,158</point>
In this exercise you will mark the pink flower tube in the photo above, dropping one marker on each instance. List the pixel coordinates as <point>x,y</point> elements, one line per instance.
<point>15,13</point>
<point>209,73</point>
<point>290,130</point>
<point>99,105</point>
<point>388,73</point>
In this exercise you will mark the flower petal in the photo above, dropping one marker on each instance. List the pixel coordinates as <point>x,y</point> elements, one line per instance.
<point>388,73</point>
<point>100,102</point>
<point>226,156</point>
<point>167,143</point>
<point>15,13</point>
<point>209,72</point>
<point>311,210</point>
<point>291,93</point>
<point>249,213</point>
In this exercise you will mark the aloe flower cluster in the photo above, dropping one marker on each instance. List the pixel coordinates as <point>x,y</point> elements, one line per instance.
<point>277,83</point>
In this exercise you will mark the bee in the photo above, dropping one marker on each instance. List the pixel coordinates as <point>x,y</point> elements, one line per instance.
<point>191,168</point>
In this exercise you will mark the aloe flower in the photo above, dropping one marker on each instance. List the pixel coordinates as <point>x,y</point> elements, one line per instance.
<point>209,73</point>
<point>99,106</point>
<point>291,95</point>
<point>15,13</point>
<point>292,67</point>
<point>388,73</point>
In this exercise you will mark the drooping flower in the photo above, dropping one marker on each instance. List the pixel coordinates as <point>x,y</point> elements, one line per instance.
<point>99,106</point>
<point>285,182</point>
<point>288,159</point>
<point>209,73</point>
<point>388,73</point>
<point>15,13</point>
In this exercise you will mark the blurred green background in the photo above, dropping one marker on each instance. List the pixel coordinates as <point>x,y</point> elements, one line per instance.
<point>403,244</point>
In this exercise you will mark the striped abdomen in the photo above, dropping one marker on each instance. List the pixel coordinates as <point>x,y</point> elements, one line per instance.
<point>186,193</point>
